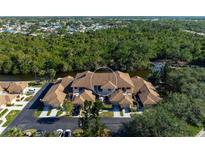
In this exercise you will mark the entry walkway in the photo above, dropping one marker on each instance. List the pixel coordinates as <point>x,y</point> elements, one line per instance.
<point>126,114</point>
<point>44,112</point>
<point>53,113</point>
<point>116,111</point>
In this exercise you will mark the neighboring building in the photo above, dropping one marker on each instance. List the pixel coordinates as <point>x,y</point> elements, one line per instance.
<point>4,85</point>
<point>57,93</point>
<point>1,89</point>
<point>87,95</point>
<point>7,99</point>
<point>14,87</point>
<point>17,87</point>
<point>116,88</point>
<point>145,91</point>
<point>121,99</point>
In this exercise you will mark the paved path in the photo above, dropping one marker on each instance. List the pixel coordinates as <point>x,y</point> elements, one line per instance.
<point>53,113</point>
<point>116,111</point>
<point>125,114</point>
<point>44,112</point>
<point>201,133</point>
<point>116,114</point>
<point>193,32</point>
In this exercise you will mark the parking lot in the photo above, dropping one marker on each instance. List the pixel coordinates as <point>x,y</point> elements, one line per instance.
<point>9,112</point>
<point>26,119</point>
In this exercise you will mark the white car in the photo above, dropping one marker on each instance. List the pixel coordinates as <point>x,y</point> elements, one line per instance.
<point>30,91</point>
<point>59,132</point>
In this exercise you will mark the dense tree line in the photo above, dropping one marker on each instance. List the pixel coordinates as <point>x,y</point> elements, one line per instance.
<point>180,113</point>
<point>128,47</point>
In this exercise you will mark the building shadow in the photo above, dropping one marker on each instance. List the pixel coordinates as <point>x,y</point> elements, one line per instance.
<point>49,120</point>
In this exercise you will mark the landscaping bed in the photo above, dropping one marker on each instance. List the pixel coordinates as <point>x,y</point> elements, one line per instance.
<point>28,98</point>
<point>106,114</point>
<point>107,106</point>
<point>49,112</point>
<point>3,112</point>
<point>59,113</point>
<point>36,84</point>
<point>10,117</point>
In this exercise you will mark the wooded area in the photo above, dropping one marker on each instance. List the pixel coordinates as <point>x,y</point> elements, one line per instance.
<point>129,47</point>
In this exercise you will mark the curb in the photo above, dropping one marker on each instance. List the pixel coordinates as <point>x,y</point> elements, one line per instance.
<point>202,131</point>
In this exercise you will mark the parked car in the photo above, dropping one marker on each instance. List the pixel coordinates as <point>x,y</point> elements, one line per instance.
<point>67,133</point>
<point>60,132</point>
<point>30,91</point>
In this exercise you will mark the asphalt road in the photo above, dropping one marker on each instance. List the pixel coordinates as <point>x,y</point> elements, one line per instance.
<point>26,120</point>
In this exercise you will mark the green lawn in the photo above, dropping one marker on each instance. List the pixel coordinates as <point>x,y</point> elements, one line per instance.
<point>28,98</point>
<point>106,114</point>
<point>121,113</point>
<point>107,106</point>
<point>192,130</point>
<point>36,84</point>
<point>10,117</point>
<point>38,110</point>
<point>18,105</point>
<point>3,112</point>
<point>59,113</point>
<point>49,112</point>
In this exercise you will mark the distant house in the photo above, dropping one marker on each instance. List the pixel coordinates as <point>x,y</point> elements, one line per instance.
<point>121,99</point>
<point>57,93</point>
<point>1,89</point>
<point>87,95</point>
<point>17,87</point>
<point>115,88</point>
<point>14,87</point>
<point>145,91</point>
<point>7,99</point>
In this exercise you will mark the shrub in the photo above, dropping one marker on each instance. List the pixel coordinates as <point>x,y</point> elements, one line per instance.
<point>78,133</point>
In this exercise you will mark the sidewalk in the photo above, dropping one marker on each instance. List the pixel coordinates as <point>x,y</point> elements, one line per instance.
<point>53,113</point>
<point>201,133</point>
<point>126,114</point>
<point>44,112</point>
<point>116,114</point>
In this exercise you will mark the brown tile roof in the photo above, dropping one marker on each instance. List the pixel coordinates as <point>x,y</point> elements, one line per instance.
<point>117,96</point>
<point>147,92</point>
<point>127,101</point>
<point>1,88</point>
<point>79,100</point>
<point>66,81</point>
<point>122,99</point>
<point>17,87</point>
<point>148,95</point>
<point>118,78</point>
<point>109,85</point>
<point>86,95</point>
<point>5,99</point>
<point>4,85</point>
<point>138,82</point>
<point>55,96</point>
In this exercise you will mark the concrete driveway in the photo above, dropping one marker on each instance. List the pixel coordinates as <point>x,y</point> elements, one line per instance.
<point>116,111</point>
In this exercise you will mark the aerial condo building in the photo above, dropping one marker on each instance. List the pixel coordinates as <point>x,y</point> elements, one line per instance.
<point>115,88</point>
